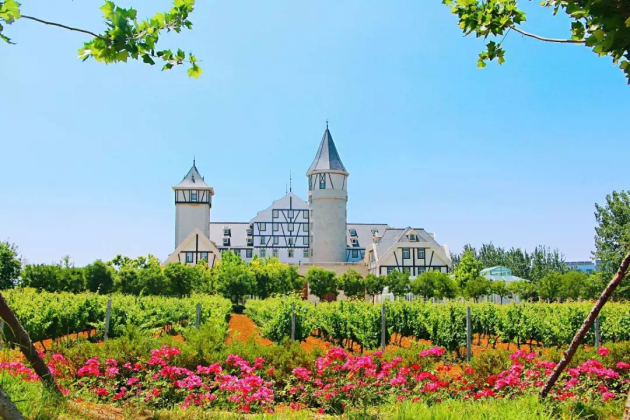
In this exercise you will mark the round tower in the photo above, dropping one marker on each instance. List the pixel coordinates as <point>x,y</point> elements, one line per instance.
<point>328,195</point>
<point>193,200</point>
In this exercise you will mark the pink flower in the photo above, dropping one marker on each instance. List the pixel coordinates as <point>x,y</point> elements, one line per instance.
<point>435,351</point>
<point>623,365</point>
<point>607,396</point>
<point>102,392</point>
<point>603,351</point>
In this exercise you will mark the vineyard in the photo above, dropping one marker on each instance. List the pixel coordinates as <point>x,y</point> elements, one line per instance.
<point>52,315</point>
<point>355,322</point>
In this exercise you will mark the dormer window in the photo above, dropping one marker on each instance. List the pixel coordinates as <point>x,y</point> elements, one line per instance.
<point>227,231</point>
<point>413,237</point>
<point>250,241</point>
<point>226,241</point>
<point>193,196</point>
<point>374,232</point>
<point>353,232</point>
<point>355,242</point>
<point>250,231</point>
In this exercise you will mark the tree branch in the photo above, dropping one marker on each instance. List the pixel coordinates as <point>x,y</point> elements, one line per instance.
<point>540,38</point>
<point>64,26</point>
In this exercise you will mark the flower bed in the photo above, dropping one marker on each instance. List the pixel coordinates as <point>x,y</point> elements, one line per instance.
<point>334,383</point>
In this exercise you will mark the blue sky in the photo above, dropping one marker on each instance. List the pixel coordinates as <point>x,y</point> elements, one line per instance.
<point>516,154</point>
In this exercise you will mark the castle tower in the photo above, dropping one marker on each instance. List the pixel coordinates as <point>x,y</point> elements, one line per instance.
<point>328,195</point>
<point>193,200</point>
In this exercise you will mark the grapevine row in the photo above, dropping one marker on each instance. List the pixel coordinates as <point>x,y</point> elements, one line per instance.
<point>553,325</point>
<point>47,315</point>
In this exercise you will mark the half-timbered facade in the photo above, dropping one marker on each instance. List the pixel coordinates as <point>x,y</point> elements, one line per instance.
<point>299,232</point>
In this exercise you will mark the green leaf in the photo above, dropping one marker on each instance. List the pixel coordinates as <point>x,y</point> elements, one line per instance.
<point>195,71</point>
<point>108,9</point>
<point>628,22</point>
<point>167,66</point>
<point>146,58</point>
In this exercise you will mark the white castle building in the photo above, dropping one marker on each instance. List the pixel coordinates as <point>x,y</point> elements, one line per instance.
<point>302,233</point>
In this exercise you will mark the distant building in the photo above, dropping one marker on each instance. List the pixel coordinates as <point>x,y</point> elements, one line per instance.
<point>303,233</point>
<point>584,266</point>
<point>500,273</point>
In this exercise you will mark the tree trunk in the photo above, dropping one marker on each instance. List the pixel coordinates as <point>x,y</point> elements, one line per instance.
<point>626,411</point>
<point>8,410</point>
<point>23,341</point>
<point>586,326</point>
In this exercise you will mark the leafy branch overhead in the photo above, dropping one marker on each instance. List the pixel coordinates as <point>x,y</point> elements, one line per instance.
<point>603,25</point>
<point>125,37</point>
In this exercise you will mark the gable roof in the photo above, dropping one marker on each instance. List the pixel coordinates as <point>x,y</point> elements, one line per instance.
<point>327,157</point>
<point>205,244</point>
<point>193,180</point>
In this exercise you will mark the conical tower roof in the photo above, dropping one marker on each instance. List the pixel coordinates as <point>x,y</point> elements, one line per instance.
<point>193,180</point>
<point>327,157</point>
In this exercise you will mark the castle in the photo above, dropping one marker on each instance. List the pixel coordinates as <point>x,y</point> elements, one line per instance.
<point>302,233</point>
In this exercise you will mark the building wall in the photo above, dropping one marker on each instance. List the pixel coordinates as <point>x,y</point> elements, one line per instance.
<point>189,217</point>
<point>415,265</point>
<point>329,225</point>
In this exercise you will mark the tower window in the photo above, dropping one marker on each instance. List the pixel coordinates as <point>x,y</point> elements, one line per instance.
<point>322,182</point>
<point>248,253</point>
<point>305,227</point>
<point>305,240</point>
<point>226,241</point>
<point>406,254</point>
<point>355,253</point>
<point>290,214</point>
<point>290,241</point>
<point>263,240</point>
<point>305,214</point>
<point>276,227</point>
<point>274,213</point>
<point>193,196</point>
<point>263,253</point>
<point>276,240</point>
<point>274,253</point>
<point>353,232</point>
<point>291,227</point>
<point>262,227</point>
<point>421,253</point>
<point>189,257</point>
<point>305,253</point>
<point>290,253</point>
<point>204,256</point>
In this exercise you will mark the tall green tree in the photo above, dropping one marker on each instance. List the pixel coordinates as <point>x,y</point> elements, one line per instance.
<point>477,287</point>
<point>468,269</point>
<point>125,37</point>
<point>602,25</point>
<point>321,282</point>
<point>10,265</point>
<point>491,255</point>
<point>99,277</point>
<point>612,233</point>
<point>398,283</point>
<point>181,279</point>
<point>550,286</point>
<point>352,284</point>
<point>499,288</point>
<point>235,278</point>
<point>374,285</point>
